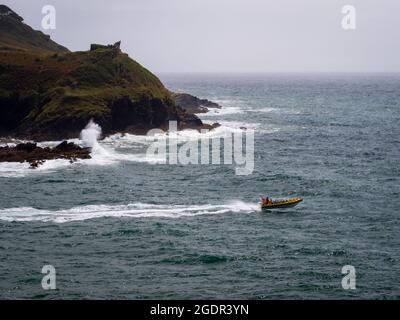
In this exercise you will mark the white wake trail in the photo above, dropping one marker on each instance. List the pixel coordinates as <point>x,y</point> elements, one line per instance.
<point>133,210</point>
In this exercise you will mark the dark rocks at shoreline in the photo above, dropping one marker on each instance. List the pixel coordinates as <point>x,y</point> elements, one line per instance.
<point>36,156</point>
<point>192,104</point>
<point>191,121</point>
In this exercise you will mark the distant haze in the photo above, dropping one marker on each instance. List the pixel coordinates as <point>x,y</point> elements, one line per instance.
<point>231,35</point>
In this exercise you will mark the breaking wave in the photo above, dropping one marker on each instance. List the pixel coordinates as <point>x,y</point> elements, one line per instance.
<point>129,140</point>
<point>213,112</point>
<point>17,169</point>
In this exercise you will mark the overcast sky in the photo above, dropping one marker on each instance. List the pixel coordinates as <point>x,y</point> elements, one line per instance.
<point>231,35</point>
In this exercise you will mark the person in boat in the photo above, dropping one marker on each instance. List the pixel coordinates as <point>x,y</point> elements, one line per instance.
<point>265,200</point>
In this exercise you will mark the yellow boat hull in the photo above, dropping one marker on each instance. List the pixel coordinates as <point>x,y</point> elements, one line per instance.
<point>282,204</point>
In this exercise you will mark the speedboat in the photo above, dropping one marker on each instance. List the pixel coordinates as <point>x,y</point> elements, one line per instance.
<point>284,203</point>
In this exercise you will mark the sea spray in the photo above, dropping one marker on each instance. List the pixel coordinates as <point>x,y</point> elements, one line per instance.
<point>90,135</point>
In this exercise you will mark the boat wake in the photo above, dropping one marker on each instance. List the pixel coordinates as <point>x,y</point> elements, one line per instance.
<point>133,210</point>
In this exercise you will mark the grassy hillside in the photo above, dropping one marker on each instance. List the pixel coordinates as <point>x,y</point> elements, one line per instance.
<point>57,94</point>
<point>16,35</point>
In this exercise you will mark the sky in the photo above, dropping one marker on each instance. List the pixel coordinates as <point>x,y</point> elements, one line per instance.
<point>230,35</point>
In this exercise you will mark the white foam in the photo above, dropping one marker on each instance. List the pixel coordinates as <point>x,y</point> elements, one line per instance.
<point>11,142</point>
<point>133,210</point>
<point>275,110</point>
<point>242,126</point>
<point>132,141</point>
<point>52,144</point>
<point>220,112</point>
<point>239,125</point>
<point>265,110</point>
<point>17,169</point>
<point>101,155</point>
<point>106,152</point>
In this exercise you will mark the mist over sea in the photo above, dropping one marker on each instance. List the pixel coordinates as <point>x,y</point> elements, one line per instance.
<point>123,225</point>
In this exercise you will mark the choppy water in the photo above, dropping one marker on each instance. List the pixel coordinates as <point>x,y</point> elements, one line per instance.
<point>125,226</point>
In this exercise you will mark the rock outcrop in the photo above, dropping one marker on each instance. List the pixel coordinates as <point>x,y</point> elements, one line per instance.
<point>95,46</point>
<point>36,156</point>
<point>192,104</point>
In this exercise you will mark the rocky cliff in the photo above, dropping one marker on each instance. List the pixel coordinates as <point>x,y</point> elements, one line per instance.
<point>48,93</point>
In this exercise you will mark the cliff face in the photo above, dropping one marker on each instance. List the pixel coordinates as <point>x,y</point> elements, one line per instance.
<point>50,96</point>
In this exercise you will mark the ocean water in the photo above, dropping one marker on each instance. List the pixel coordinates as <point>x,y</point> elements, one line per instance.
<point>123,225</point>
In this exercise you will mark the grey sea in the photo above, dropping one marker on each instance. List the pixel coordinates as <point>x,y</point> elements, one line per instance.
<point>123,226</point>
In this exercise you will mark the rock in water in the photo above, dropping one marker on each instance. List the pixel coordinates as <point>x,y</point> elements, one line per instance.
<point>36,156</point>
<point>65,146</point>
<point>192,104</point>
<point>28,147</point>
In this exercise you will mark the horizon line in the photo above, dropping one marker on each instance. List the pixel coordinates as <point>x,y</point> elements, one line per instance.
<point>275,72</point>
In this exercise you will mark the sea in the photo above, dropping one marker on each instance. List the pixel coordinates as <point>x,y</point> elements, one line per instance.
<point>124,225</point>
